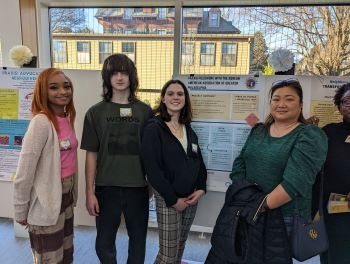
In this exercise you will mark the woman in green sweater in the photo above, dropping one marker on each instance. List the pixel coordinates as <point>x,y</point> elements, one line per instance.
<point>284,154</point>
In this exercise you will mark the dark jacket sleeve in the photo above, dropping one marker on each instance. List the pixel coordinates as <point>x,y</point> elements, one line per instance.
<point>202,175</point>
<point>151,150</point>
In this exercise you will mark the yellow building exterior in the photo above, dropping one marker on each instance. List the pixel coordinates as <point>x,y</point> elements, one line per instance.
<point>153,55</point>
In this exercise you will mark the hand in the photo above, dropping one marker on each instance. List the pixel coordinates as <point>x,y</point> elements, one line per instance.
<point>22,222</point>
<point>194,197</point>
<point>181,204</point>
<point>92,204</point>
<point>314,120</point>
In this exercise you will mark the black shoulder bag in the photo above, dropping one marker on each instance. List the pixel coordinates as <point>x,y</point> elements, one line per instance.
<point>309,239</point>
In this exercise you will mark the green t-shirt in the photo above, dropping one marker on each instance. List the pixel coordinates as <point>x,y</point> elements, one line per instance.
<point>292,161</point>
<point>113,131</point>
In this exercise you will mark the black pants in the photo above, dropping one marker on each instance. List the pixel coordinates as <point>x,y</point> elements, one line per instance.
<point>133,203</point>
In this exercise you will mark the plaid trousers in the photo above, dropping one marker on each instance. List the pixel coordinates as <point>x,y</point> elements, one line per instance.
<point>173,229</point>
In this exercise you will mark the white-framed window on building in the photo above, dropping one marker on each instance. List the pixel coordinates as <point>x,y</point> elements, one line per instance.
<point>214,19</point>
<point>161,13</point>
<point>162,31</point>
<point>138,10</point>
<point>207,54</point>
<point>83,52</point>
<point>229,54</point>
<point>187,53</point>
<point>105,49</point>
<point>128,13</point>
<point>128,48</point>
<point>128,31</point>
<point>59,51</point>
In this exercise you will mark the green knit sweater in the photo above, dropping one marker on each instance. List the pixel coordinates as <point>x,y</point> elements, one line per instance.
<point>292,161</point>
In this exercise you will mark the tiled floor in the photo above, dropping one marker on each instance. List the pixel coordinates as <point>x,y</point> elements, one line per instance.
<point>17,250</point>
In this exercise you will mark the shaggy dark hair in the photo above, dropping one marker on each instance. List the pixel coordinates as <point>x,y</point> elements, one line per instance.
<point>118,63</point>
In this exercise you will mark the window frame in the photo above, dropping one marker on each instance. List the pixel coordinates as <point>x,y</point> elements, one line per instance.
<point>214,20</point>
<point>100,60</point>
<point>131,55</point>
<point>206,54</point>
<point>234,59</point>
<point>187,54</point>
<point>65,60</point>
<point>80,52</point>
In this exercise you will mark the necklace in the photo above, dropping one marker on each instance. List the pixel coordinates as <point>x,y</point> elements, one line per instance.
<point>280,131</point>
<point>175,130</point>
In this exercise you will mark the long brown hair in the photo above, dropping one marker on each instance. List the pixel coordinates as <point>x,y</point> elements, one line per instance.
<point>186,112</point>
<point>40,102</point>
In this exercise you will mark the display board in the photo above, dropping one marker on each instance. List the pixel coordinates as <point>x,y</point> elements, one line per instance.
<point>16,89</point>
<point>225,107</point>
<point>223,115</point>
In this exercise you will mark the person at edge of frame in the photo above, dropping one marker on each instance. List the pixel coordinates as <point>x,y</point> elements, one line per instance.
<point>337,180</point>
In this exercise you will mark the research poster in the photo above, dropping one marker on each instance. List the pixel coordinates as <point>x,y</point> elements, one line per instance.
<point>16,91</point>
<point>322,92</point>
<point>225,107</point>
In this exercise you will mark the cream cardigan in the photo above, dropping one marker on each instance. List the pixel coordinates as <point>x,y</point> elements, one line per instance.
<point>37,185</point>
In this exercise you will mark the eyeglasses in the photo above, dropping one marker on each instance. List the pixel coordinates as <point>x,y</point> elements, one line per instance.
<point>345,102</point>
<point>287,82</point>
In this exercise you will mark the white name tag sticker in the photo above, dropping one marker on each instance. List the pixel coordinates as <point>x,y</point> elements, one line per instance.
<point>347,140</point>
<point>65,144</point>
<point>125,112</point>
<point>195,148</point>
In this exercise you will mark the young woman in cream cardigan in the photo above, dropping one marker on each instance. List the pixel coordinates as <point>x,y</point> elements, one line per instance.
<point>45,187</point>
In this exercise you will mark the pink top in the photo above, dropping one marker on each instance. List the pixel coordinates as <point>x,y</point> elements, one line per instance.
<point>68,146</point>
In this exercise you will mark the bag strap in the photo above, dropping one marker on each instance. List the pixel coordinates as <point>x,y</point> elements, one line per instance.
<point>320,202</point>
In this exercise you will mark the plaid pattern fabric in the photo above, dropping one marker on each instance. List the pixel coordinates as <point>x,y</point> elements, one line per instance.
<point>54,244</point>
<point>173,228</point>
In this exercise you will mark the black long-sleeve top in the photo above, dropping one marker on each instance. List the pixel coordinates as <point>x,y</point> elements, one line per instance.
<point>337,166</point>
<point>172,172</point>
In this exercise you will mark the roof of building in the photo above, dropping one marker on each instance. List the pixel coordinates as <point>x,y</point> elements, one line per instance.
<point>225,27</point>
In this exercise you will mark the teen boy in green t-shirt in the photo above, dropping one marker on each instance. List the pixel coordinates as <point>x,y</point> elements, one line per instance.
<point>115,181</point>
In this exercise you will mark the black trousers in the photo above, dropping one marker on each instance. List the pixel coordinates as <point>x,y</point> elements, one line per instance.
<point>133,203</point>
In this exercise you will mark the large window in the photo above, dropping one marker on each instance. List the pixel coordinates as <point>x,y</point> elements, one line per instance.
<point>83,52</point>
<point>228,54</point>
<point>59,51</point>
<point>207,54</point>
<point>104,50</point>
<point>187,53</point>
<point>128,48</point>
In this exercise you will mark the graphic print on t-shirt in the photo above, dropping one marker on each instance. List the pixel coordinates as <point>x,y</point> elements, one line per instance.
<point>123,139</point>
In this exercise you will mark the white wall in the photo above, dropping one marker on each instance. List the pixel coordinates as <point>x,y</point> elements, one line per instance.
<point>10,35</point>
<point>10,29</point>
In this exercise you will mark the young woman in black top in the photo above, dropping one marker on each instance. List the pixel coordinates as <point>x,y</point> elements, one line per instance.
<point>175,169</point>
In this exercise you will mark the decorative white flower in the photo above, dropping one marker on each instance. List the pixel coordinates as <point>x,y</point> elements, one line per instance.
<point>20,55</point>
<point>281,60</point>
